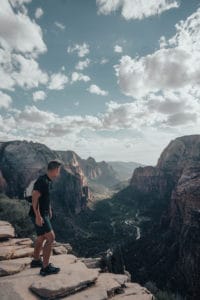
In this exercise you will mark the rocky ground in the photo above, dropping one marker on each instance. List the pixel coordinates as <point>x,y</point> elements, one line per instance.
<point>79,278</point>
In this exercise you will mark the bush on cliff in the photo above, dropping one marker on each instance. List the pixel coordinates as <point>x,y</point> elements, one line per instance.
<point>15,211</point>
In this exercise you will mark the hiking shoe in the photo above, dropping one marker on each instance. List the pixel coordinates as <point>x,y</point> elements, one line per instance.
<point>36,263</point>
<point>49,270</point>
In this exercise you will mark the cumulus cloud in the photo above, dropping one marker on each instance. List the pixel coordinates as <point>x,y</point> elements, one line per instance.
<point>181,118</point>
<point>82,64</point>
<point>29,74</point>
<point>33,115</point>
<point>118,49</point>
<point>18,31</point>
<point>58,81</point>
<point>81,49</point>
<point>21,42</point>
<point>95,89</point>
<point>60,26</point>
<point>5,100</point>
<point>173,66</point>
<point>39,95</point>
<point>165,84</point>
<point>79,77</point>
<point>21,71</point>
<point>134,9</point>
<point>39,13</point>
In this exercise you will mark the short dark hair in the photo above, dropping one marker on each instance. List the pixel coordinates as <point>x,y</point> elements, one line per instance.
<point>54,164</point>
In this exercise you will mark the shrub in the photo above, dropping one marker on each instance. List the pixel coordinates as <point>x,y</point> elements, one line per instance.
<point>15,211</point>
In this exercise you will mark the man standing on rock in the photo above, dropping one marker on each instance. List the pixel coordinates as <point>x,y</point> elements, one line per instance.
<point>41,213</point>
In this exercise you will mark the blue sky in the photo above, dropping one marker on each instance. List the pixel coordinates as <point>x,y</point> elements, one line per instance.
<point>116,80</point>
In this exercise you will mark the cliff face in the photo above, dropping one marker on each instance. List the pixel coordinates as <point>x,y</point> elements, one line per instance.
<point>21,162</point>
<point>169,194</point>
<point>100,172</point>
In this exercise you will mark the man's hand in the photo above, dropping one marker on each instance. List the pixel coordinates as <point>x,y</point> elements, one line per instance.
<point>39,220</point>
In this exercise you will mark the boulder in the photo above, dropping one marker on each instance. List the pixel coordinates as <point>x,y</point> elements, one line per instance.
<point>71,278</point>
<point>90,262</point>
<point>9,252</point>
<point>59,250</point>
<point>9,267</point>
<point>17,242</point>
<point>6,230</point>
<point>134,291</point>
<point>113,283</point>
<point>67,246</point>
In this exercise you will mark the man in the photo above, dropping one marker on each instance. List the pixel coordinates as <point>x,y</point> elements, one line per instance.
<point>41,213</point>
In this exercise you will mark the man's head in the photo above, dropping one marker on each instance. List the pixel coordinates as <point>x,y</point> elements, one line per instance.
<point>53,168</point>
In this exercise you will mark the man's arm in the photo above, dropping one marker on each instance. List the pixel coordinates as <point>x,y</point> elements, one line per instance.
<point>35,203</point>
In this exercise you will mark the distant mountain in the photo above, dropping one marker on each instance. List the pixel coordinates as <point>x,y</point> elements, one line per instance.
<point>100,176</point>
<point>124,169</point>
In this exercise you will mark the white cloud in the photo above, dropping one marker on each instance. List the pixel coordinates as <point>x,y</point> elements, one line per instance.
<point>94,89</point>
<point>165,84</point>
<point>21,71</point>
<point>81,49</point>
<point>39,13</point>
<point>33,114</point>
<point>19,32</point>
<point>104,61</point>
<point>39,95</point>
<point>118,49</point>
<point>79,77</point>
<point>174,66</point>
<point>21,41</point>
<point>82,64</point>
<point>5,100</point>
<point>60,26</point>
<point>28,74</point>
<point>136,9</point>
<point>19,2</point>
<point>58,81</point>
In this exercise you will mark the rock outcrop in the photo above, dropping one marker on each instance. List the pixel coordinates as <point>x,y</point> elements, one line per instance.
<point>169,195</point>
<point>21,162</point>
<point>77,279</point>
<point>99,172</point>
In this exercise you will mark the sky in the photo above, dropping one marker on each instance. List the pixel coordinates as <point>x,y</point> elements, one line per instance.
<point>111,79</point>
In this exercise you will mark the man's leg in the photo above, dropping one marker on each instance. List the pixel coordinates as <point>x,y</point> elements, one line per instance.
<point>38,246</point>
<point>50,237</point>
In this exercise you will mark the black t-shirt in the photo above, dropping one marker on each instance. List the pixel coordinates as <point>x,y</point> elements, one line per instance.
<point>43,185</point>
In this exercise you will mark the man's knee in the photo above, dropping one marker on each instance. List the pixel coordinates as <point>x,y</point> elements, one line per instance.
<point>50,237</point>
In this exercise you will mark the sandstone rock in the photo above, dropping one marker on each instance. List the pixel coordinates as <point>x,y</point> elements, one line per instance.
<point>91,293</point>
<point>133,297</point>
<point>8,267</point>
<point>59,250</point>
<point>23,252</point>
<point>72,278</point>
<point>6,230</point>
<point>113,283</point>
<point>19,242</point>
<point>92,263</point>
<point>67,246</point>
<point>16,290</point>
<point>134,291</point>
<point>8,252</point>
